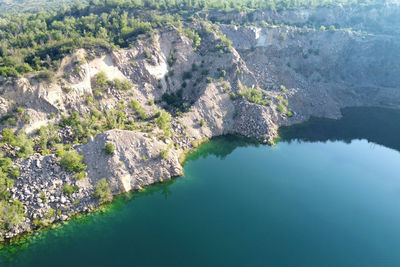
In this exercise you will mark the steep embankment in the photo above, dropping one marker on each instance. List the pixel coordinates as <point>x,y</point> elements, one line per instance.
<point>250,83</point>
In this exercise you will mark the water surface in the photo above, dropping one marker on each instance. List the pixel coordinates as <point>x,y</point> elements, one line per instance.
<point>327,195</point>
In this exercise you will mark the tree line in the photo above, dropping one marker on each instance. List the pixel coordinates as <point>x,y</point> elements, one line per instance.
<point>38,41</point>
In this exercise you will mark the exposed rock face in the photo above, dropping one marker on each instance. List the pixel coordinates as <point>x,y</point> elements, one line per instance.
<point>314,72</point>
<point>373,19</point>
<point>135,163</point>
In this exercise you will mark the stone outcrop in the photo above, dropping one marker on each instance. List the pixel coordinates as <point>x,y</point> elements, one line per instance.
<point>135,163</point>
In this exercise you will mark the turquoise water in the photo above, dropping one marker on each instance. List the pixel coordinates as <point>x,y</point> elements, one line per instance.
<point>324,196</point>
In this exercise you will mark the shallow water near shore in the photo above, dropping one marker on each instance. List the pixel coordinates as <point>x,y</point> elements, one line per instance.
<point>328,194</point>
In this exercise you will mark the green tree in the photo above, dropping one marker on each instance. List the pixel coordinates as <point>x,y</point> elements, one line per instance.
<point>163,122</point>
<point>102,191</point>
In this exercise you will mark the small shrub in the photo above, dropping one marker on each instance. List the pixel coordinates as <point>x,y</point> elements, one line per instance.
<point>80,175</point>
<point>72,161</point>
<point>37,222</point>
<point>281,108</point>
<point>171,59</point>
<point>102,191</point>
<point>101,81</point>
<point>164,154</point>
<point>226,89</point>
<point>50,213</point>
<point>20,111</point>
<point>109,148</point>
<point>135,105</point>
<point>27,119</point>
<point>12,122</point>
<point>233,96</point>
<point>46,75</point>
<point>164,122</point>
<point>42,196</point>
<point>70,189</point>
<point>124,85</point>
<point>254,96</point>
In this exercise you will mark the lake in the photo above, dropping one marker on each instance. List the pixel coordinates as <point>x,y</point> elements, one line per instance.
<point>328,194</point>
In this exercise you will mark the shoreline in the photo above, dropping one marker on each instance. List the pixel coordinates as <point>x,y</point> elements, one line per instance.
<point>101,206</point>
<point>348,114</point>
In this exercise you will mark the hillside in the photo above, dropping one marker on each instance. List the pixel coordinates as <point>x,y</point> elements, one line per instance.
<point>123,90</point>
<point>17,6</point>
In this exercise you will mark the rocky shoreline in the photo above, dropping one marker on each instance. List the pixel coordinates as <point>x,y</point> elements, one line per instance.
<point>244,80</point>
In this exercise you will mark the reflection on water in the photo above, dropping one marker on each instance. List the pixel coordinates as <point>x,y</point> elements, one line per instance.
<point>377,125</point>
<point>221,147</point>
<point>138,224</point>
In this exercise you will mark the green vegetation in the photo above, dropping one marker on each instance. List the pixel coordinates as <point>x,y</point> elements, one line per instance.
<point>196,143</point>
<point>42,197</point>
<point>194,36</point>
<point>8,7</point>
<point>11,211</point>
<point>48,139</point>
<point>20,141</point>
<point>102,83</point>
<point>283,106</point>
<point>14,117</point>
<point>72,161</point>
<point>172,58</point>
<point>254,96</point>
<point>70,189</point>
<point>44,76</point>
<point>102,191</point>
<point>37,42</point>
<point>109,148</point>
<point>163,122</point>
<point>140,112</point>
<point>175,100</point>
<point>164,152</point>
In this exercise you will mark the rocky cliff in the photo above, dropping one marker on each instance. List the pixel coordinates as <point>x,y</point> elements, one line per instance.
<point>246,80</point>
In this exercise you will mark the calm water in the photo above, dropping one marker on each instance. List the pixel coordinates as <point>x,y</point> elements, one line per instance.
<point>332,199</point>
